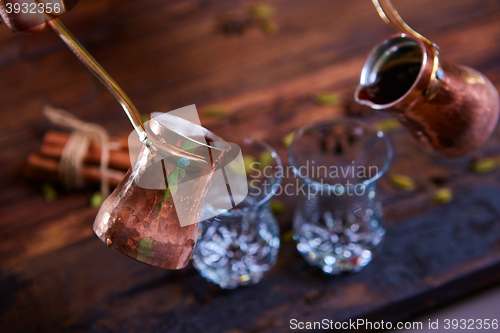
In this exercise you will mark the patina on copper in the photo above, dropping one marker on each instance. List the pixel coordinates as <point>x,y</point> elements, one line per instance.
<point>139,219</point>
<point>451,108</point>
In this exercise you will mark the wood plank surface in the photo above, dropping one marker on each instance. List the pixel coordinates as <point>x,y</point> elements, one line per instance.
<point>56,276</point>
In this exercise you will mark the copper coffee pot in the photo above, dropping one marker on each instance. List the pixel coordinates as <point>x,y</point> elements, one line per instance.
<point>451,108</point>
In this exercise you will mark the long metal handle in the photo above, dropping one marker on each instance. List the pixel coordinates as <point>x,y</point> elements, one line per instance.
<point>101,74</point>
<point>392,18</point>
<point>171,152</point>
<point>168,151</point>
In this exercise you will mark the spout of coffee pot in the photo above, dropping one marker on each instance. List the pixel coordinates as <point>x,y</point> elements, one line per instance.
<point>397,72</point>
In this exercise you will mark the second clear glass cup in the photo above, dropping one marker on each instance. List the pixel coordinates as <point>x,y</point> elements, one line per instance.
<point>237,247</point>
<point>338,220</point>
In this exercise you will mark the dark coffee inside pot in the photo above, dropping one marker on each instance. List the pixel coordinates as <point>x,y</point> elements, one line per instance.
<point>392,74</point>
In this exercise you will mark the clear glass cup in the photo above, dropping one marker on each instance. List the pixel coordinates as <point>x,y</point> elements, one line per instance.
<point>237,247</point>
<point>338,221</point>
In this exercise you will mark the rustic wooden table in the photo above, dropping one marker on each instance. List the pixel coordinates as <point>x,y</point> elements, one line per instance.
<point>55,275</point>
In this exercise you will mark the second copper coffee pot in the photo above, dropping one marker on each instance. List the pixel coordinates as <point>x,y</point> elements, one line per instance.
<point>451,108</point>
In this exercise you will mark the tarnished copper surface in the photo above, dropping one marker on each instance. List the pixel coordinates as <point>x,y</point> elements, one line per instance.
<point>461,116</point>
<point>143,225</point>
<point>455,115</point>
<point>139,219</point>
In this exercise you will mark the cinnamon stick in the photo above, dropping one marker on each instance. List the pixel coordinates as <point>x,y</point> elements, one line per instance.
<point>61,138</point>
<point>118,159</point>
<point>47,169</point>
<point>53,145</point>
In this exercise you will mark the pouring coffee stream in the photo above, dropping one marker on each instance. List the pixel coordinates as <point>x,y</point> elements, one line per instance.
<point>451,108</point>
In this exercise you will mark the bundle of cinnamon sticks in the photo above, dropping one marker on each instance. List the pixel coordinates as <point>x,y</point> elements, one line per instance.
<point>44,165</point>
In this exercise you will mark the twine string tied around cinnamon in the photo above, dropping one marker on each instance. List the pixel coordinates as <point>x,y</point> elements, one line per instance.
<point>83,134</point>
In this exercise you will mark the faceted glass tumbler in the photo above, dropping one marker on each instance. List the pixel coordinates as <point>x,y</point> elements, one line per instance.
<point>338,222</point>
<point>237,247</point>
